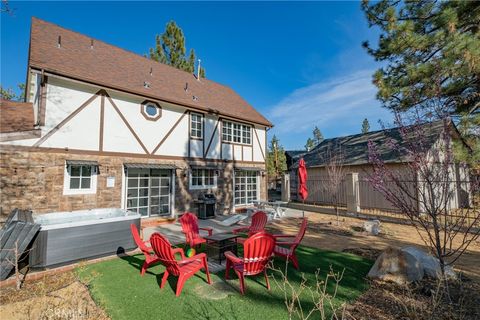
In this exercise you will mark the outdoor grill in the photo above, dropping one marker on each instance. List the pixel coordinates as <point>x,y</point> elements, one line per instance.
<point>206,206</point>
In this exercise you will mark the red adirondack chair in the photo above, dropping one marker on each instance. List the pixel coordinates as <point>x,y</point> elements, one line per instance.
<point>287,249</point>
<point>184,268</point>
<point>191,230</point>
<point>259,220</point>
<point>257,251</point>
<point>150,257</point>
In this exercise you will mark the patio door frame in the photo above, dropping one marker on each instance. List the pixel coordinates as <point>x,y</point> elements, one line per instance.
<point>258,185</point>
<point>171,193</point>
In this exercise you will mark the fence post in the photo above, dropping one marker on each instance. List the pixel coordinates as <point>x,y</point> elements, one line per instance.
<point>286,187</point>
<point>353,194</point>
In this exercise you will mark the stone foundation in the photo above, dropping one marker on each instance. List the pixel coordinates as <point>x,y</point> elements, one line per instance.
<point>34,180</point>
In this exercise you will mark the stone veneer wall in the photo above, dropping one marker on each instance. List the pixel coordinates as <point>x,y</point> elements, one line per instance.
<point>34,180</point>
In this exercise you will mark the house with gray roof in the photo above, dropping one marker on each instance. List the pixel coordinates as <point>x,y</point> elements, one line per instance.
<point>352,153</point>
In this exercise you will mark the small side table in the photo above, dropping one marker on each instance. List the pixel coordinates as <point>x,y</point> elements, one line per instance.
<point>219,243</point>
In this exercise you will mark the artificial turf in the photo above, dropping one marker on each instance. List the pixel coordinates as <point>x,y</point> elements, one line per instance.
<point>116,285</point>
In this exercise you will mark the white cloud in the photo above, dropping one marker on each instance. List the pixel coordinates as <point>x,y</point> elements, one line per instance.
<point>337,106</point>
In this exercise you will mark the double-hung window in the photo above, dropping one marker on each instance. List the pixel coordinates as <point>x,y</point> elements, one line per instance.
<point>196,125</point>
<point>80,178</point>
<point>236,132</point>
<point>203,178</point>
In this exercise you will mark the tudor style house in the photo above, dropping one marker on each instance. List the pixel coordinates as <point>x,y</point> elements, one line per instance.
<point>103,127</point>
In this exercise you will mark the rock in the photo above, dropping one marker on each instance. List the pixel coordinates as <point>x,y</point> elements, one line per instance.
<point>431,265</point>
<point>397,266</point>
<point>372,227</point>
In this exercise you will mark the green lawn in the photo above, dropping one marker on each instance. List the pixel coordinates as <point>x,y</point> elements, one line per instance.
<point>118,287</point>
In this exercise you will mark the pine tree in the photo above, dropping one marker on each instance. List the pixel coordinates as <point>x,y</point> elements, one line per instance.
<point>365,126</point>
<point>170,48</point>
<point>310,144</point>
<point>432,53</point>
<point>317,136</point>
<point>276,159</point>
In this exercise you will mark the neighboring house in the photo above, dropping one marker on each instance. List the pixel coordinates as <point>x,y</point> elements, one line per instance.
<point>104,127</point>
<point>351,152</point>
<point>292,156</point>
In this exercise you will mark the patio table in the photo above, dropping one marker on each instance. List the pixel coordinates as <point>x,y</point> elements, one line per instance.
<point>219,243</point>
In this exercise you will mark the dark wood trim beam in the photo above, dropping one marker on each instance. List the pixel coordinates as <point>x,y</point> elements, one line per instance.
<point>43,100</point>
<point>102,121</point>
<point>211,138</point>
<point>14,148</point>
<point>169,132</point>
<point>126,123</point>
<point>67,119</point>
<point>259,144</point>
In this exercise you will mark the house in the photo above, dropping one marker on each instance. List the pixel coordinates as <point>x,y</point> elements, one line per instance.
<point>103,127</point>
<point>292,156</point>
<point>352,155</point>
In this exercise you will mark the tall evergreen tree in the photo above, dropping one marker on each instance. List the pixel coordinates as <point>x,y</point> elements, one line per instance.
<point>365,126</point>
<point>276,159</point>
<point>310,144</point>
<point>432,53</point>
<point>170,48</point>
<point>317,136</point>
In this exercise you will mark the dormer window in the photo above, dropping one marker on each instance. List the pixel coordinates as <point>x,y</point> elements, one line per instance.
<point>151,110</point>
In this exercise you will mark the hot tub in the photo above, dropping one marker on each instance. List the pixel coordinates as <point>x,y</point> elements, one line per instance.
<point>71,236</point>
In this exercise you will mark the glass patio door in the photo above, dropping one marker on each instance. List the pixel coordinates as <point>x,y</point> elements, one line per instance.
<point>149,191</point>
<point>246,187</point>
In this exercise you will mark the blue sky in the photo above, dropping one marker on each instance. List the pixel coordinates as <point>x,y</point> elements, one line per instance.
<point>300,64</point>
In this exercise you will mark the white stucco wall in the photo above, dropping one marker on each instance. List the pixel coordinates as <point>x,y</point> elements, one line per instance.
<point>83,131</point>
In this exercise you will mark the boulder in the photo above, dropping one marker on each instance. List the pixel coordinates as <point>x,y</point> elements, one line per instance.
<point>372,227</point>
<point>397,266</point>
<point>430,264</point>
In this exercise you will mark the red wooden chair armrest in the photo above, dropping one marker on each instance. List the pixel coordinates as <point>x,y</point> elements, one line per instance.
<point>232,257</point>
<point>210,230</point>
<point>179,250</point>
<point>238,230</point>
<point>283,236</point>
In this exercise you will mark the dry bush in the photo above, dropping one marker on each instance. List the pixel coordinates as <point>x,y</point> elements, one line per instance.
<point>324,306</point>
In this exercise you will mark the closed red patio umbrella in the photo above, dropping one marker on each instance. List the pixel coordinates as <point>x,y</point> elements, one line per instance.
<point>302,182</point>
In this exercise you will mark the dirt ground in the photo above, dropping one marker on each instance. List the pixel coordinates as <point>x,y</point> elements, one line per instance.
<point>386,301</point>
<point>324,233</point>
<point>62,296</point>
<point>59,296</point>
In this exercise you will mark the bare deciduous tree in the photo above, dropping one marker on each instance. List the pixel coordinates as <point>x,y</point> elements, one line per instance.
<point>430,191</point>
<point>335,177</point>
<point>15,261</point>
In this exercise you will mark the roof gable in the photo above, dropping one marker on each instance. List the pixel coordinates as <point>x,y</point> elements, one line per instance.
<point>67,53</point>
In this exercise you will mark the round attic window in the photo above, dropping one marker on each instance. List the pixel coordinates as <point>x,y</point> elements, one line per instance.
<point>151,110</point>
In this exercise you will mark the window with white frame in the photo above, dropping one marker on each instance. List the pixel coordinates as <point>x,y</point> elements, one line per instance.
<point>80,179</point>
<point>236,132</point>
<point>196,125</point>
<point>203,178</point>
<point>246,187</point>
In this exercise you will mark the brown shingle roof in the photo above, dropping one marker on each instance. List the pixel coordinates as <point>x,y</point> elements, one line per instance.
<point>119,69</point>
<point>15,116</point>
